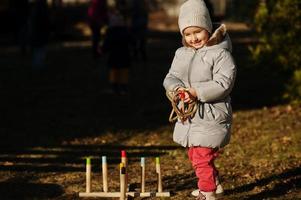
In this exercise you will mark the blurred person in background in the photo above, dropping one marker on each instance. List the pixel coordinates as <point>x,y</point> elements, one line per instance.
<point>39,29</point>
<point>139,26</point>
<point>19,13</point>
<point>117,45</point>
<point>97,18</point>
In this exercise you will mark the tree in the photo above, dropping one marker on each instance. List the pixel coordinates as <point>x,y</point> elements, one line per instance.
<point>278,25</point>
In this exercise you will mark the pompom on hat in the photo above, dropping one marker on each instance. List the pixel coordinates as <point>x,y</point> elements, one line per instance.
<point>194,13</point>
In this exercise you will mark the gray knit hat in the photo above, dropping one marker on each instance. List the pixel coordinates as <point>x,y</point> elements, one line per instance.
<point>194,13</point>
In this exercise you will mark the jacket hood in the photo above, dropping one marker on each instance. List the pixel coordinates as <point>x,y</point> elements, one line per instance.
<point>219,40</point>
<point>224,44</point>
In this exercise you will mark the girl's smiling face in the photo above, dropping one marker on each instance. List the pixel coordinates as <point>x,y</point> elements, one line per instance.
<point>195,37</point>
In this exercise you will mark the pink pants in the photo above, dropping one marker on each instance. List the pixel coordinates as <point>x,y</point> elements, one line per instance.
<point>202,160</point>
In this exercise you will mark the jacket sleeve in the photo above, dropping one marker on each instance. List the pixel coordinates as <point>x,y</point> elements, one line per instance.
<point>172,80</point>
<point>224,72</point>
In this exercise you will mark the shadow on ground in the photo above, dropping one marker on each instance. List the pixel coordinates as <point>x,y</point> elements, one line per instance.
<point>67,98</point>
<point>70,158</point>
<point>285,182</point>
<point>20,188</point>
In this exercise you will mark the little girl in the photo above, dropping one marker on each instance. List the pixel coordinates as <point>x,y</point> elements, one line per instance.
<point>204,70</point>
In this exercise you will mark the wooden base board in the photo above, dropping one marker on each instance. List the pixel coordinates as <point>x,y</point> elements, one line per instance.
<point>117,194</point>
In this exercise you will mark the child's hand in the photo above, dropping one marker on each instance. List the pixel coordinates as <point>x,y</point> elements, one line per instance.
<point>187,95</point>
<point>192,93</point>
<point>181,94</point>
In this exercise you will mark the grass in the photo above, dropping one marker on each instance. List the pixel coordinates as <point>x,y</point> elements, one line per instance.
<point>54,118</point>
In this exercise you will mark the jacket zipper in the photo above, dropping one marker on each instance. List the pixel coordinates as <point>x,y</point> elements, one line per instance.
<point>189,82</point>
<point>190,67</point>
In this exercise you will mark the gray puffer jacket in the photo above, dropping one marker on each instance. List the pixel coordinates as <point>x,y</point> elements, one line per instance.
<point>211,72</point>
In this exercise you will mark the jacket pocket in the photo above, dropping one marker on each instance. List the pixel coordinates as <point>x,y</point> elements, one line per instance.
<point>180,133</point>
<point>216,113</point>
<point>222,112</point>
